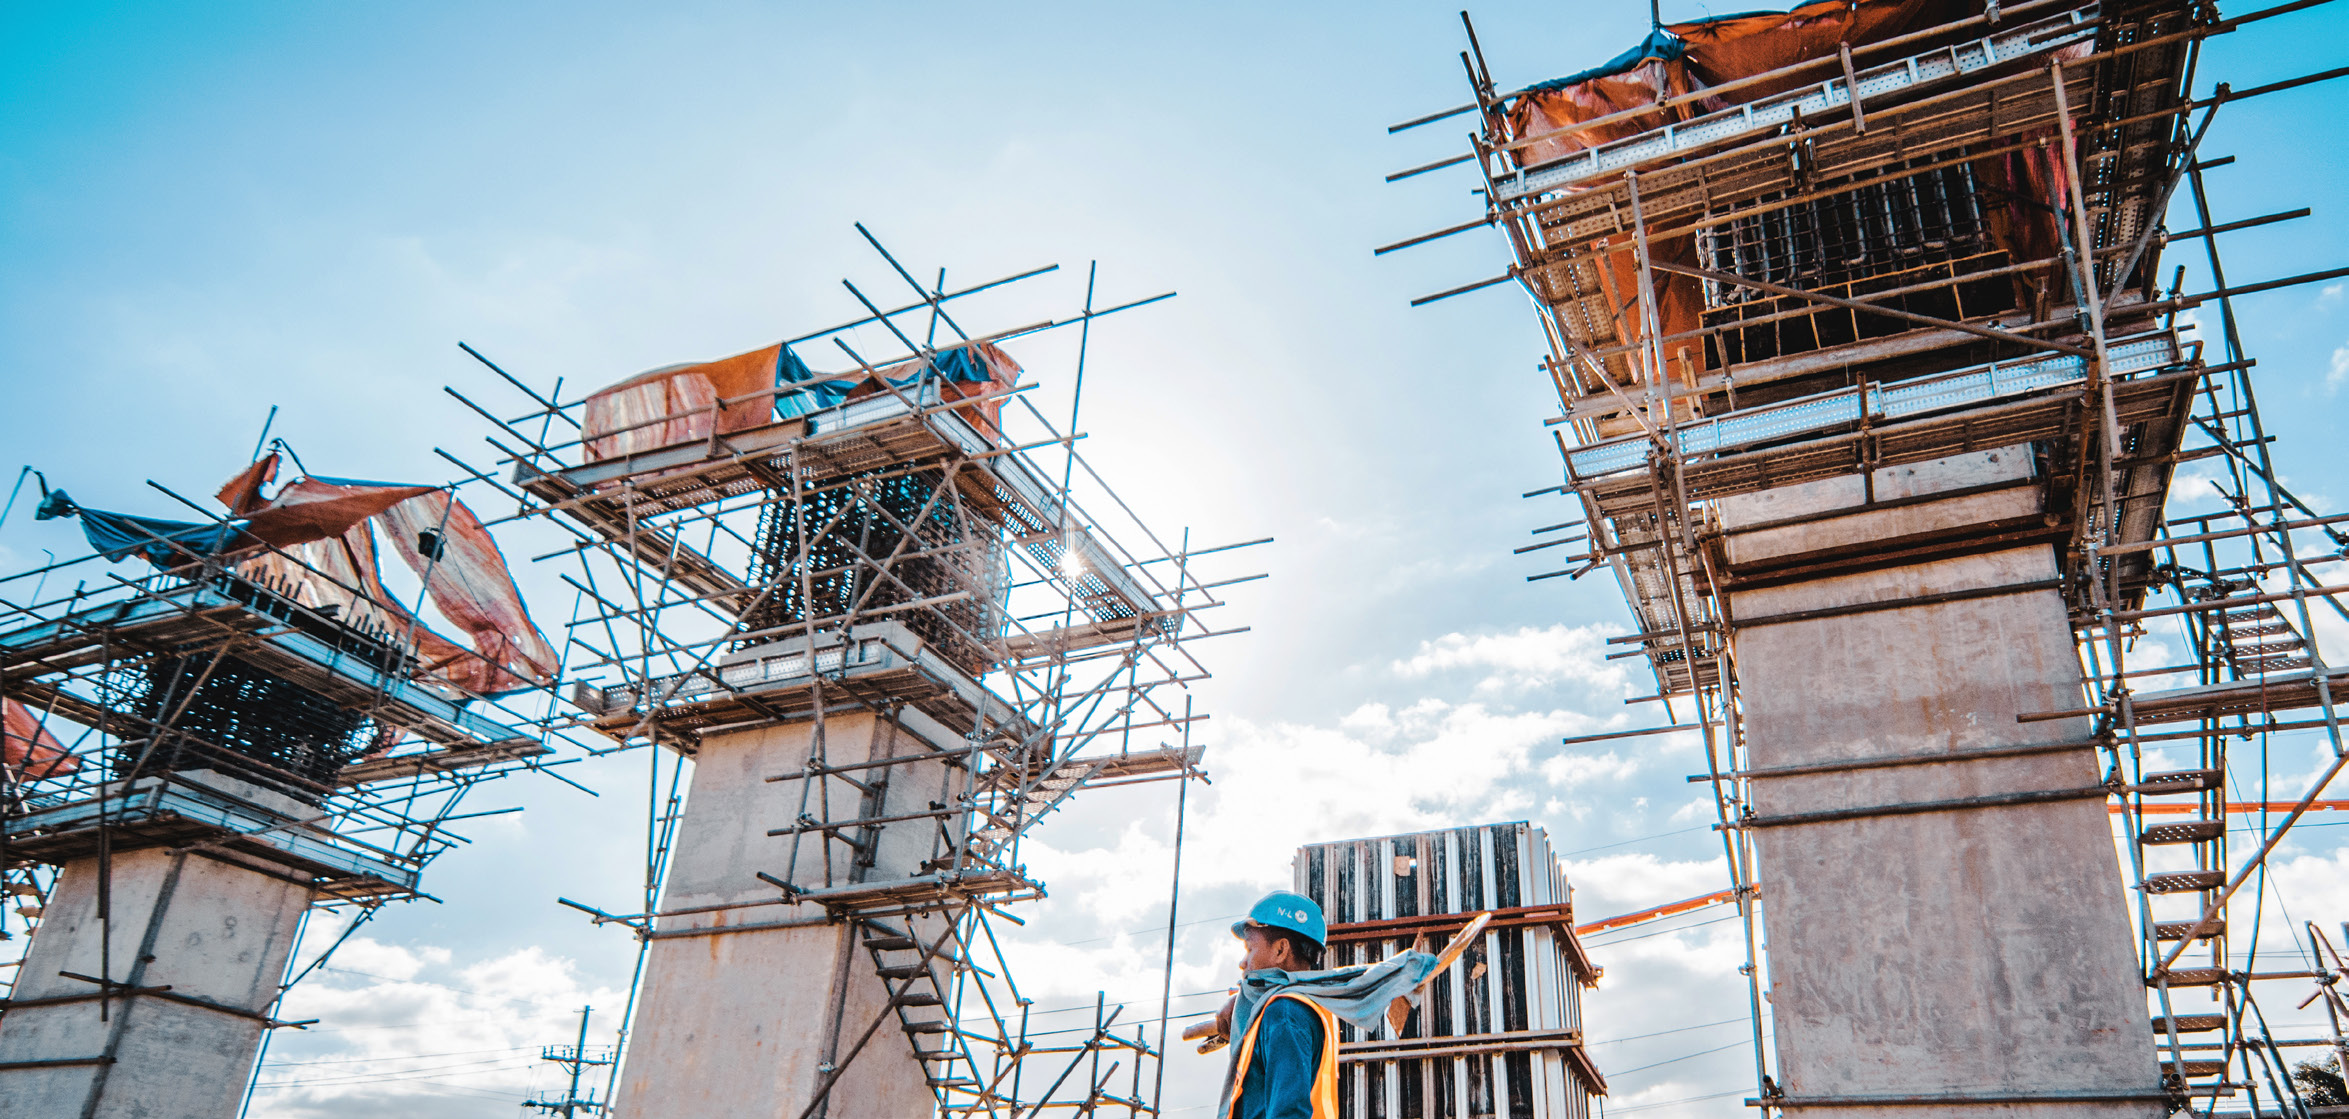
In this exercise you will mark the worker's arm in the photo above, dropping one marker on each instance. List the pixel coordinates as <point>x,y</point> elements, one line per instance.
<point>1288,1045</point>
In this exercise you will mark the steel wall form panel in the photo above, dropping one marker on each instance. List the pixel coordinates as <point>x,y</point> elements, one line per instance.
<point>1516,993</point>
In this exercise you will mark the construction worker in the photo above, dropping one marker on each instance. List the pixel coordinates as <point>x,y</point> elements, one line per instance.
<point>1286,1009</point>
<point>1285,1064</point>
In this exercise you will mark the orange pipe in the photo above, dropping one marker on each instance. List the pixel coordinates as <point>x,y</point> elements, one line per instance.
<point>1661,911</point>
<point>2235,806</point>
<point>1672,909</point>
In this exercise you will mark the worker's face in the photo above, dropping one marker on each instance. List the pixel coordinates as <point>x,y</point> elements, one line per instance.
<point>1262,950</point>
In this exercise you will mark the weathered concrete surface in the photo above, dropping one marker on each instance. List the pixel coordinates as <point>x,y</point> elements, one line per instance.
<point>733,1024</point>
<point>219,933</point>
<point>1984,950</point>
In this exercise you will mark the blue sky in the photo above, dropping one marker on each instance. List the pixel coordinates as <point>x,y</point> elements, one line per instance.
<point>209,210</point>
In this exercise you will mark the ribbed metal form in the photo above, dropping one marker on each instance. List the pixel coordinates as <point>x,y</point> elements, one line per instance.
<point>1499,1033</point>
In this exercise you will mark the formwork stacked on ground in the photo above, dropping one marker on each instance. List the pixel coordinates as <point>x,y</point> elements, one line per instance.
<point>1499,1033</point>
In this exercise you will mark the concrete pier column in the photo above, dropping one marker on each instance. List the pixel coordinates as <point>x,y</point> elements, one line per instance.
<point>206,937</point>
<point>1944,910</point>
<point>740,1003</point>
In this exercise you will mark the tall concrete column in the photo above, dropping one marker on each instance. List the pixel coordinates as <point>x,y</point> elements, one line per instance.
<point>742,1002</point>
<point>1917,946</point>
<point>206,937</point>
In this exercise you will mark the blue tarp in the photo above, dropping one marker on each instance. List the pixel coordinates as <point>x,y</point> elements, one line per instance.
<point>959,364</point>
<point>1660,45</point>
<point>789,370</point>
<point>117,536</point>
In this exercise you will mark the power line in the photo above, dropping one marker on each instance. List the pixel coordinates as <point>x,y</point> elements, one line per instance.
<point>1661,932</point>
<point>1669,1103</point>
<point>477,1068</point>
<point>1739,1020</point>
<point>1641,839</point>
<point>1684,1056</point>
<point>402,1057</point>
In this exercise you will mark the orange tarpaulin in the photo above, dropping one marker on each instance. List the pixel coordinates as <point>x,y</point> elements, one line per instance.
<point>435,655</point>
<point>27,747</point>
<point>321,509</point>
<point>307,510</point>
<point>1720,51</point>
<point>676,404</point>
<point>323,528</point>
<point>242,494</point>
<point>1545,111</point>
<point>1692,57</point>
<point>469,583</point>
<point>2021,190</point>
<point>342,573</point>
<point>683,403</point>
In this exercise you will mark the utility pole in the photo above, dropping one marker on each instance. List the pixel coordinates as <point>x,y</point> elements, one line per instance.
<point>577,1058</point>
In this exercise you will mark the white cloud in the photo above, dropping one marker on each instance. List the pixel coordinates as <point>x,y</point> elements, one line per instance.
<point>1524,658</point>
<point>1467,732</point>
<point>1378,770</point>
<point>1621,883</point>
<point>2317,884</point>
<point>2338,371</point>
<point>408,1030</point>
<point>1574,769</point>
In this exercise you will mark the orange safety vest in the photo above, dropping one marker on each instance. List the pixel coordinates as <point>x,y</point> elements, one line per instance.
<point>1325,1078</point>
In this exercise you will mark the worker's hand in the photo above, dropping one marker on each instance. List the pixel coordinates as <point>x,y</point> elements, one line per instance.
<point>1217,1030</point>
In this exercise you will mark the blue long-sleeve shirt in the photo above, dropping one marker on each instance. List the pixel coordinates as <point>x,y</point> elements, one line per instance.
<point>1278,1082</point>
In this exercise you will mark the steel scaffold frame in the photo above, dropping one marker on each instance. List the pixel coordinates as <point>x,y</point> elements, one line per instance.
<point>2246,593</point>
<point>86,662</point>
<point>947,556</point>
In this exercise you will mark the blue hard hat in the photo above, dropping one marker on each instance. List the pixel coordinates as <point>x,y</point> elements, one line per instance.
<point>1284,910</point>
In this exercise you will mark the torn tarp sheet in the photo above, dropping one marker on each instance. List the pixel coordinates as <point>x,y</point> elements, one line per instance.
<point>342,576</point>
<point>27,748</point>
<point>466,575</point>
<point>308,510</point>
<point>323,508</point>
<point>242,494</point>
<point>118,536</point>
<point>323,527</point>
